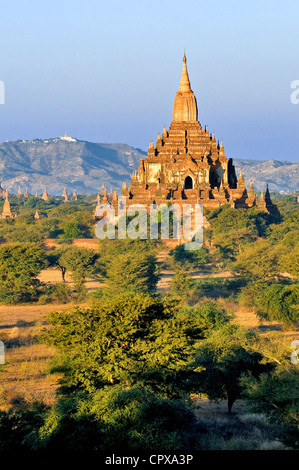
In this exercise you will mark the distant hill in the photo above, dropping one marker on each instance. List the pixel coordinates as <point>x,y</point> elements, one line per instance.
<point>86,166</point>
<point>59,163</point>
<point>282,176</point>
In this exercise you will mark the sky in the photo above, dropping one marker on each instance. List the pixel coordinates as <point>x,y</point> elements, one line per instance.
<point>108,71</point>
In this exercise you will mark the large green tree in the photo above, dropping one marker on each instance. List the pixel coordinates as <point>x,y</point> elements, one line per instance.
<point>129,265</point>
<point>20,265</point>
<point>80,262</point>
<point>127,339</point>
<point>222,358</point>
<point>127,366</point>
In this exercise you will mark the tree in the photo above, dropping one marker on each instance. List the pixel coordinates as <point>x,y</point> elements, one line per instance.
<point>54,257</point>
<point>81,262</point>
<point>20,264</point>
<point>129,265</point>
<point>186,258</point>
<point>222,358</point>
<point>126,365</point>
<point>116,418</point>
<point>233,230</point>
<point>137,273</point>
<point>71,230</point>
<point>274,301</point>
<point>289,261</point>
<point>276,395</point>
<point>129,339</point>
<point>258,261</point>
<point>84,219</point>
<point>19,426</point>
<point>181,284</point>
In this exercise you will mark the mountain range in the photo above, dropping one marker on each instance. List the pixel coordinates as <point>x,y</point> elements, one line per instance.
<point>65,162</point>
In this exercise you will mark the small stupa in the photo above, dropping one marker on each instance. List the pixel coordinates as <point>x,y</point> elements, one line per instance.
<point>45,196</point>
<point>6,213</point>
<point>64,194</point>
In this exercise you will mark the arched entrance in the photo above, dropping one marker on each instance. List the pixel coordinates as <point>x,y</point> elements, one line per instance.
<point>188,183</point>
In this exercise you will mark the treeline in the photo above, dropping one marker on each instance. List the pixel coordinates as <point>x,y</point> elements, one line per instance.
<point>57,219</point>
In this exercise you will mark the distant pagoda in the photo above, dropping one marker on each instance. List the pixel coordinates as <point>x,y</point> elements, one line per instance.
<point>64,194</point>
<point>6,213</point>
<point>45,196</point>
<point>265,204</point>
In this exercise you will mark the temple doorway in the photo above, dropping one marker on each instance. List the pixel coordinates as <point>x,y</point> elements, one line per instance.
<point>188,182</point>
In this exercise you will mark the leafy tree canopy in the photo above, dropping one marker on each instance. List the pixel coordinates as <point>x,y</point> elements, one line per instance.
<point>20,264</point>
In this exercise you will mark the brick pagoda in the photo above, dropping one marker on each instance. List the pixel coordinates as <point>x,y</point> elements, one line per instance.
<point>187,165</point>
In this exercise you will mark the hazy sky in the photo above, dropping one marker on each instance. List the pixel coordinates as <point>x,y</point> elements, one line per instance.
<point>108,71</point>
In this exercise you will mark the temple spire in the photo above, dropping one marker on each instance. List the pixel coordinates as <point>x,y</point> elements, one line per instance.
<point>115,196</point>
<point>45,196</point>
<point>124,189</point>
<point>105,197</point>
<point>185,105</point>
<point>185,82</point>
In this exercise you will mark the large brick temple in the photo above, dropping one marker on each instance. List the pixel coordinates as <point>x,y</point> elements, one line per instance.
<point>188,165</point>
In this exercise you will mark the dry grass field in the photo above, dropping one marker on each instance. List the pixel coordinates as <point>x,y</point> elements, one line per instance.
<point>26,360</point>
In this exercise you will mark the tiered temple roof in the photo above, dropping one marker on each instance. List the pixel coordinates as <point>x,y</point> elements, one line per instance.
<point>187,164</point>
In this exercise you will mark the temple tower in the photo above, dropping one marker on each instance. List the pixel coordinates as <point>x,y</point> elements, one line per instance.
<point>6,213</point>
<point>45,196</point>
<point>187,164</point>
<point>185,105</point>
<point>64,195</point>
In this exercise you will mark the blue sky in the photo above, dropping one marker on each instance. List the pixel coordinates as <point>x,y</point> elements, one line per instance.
<point>109,71</point>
